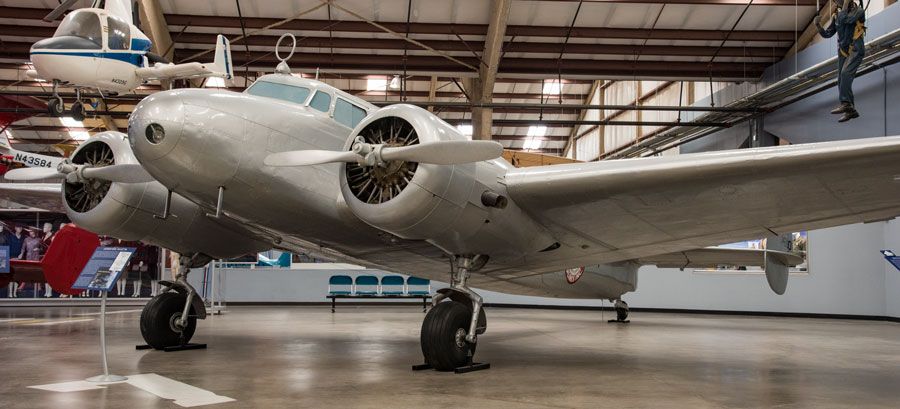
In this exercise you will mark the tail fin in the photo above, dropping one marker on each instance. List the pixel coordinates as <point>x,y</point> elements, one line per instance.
<point>222,60</point>
<point>4,143</point>
<point>67,255</point>
<point>777,270</point>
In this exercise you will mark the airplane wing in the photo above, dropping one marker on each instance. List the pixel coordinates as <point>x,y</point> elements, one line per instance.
<point>220,67</point>
<point>712,257</point>
<point>47,196</point>
<point>634,208</point>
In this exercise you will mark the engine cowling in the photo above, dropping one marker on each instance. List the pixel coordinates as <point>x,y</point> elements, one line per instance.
<point>128,210</point>
<point>439,203</point>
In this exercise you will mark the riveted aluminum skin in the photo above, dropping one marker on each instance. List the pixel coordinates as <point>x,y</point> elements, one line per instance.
<point>127,212</point>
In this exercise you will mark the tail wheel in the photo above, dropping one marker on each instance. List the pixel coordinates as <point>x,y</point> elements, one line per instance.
<point>158,321</point>
<point>443,338</point>
<point>621,311</point>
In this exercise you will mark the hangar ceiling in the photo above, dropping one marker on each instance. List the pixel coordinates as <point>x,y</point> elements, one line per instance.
<point>553,51</point>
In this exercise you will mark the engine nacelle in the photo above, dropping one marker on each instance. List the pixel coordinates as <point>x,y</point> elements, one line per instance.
<point>459,208</point>
<point>129,211</point>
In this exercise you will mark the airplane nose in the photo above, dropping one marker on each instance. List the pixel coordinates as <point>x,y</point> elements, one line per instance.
<point>156,125</point>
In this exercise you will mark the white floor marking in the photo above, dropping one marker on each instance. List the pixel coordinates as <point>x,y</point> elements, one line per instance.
<point>108,312</point>
<point>182,394</point>
<point>74,386</point>
<point>58,322</point>
<point>14,319</point>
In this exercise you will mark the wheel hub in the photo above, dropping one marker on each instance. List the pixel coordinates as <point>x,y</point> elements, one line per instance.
<point>460,337</point>
<point>174,322</point>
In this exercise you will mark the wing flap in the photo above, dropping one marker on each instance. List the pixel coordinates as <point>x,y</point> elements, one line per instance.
<point>633,208</point>
<point>712,257</point>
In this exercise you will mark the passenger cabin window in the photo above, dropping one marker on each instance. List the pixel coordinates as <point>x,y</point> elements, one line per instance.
<point>321,101</point>
<point>119,34</point>
<point>283,92</point>
<point>83,24</point>
<point>347,113</point>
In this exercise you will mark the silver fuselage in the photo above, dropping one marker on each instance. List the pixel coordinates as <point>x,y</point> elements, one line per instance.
<point>217,138</point>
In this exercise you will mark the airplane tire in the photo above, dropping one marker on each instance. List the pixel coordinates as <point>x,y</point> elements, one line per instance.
<point>55,107</point>
<point>443,336</point>
<point>622,312</point>
<point>158,321</point>
<point>78,111</point>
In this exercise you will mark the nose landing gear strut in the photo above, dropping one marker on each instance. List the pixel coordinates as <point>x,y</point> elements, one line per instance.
<point>451,328</point>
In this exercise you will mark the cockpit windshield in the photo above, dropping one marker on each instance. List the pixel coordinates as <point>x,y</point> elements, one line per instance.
<point>81,23</point>
<point>283,92</point>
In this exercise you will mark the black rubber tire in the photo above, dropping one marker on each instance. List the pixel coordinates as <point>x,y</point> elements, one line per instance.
<point>438,336</point>
<point>55,107</point>
<point>156,318</point>
<point>622,313</point>
<point>78,111</point>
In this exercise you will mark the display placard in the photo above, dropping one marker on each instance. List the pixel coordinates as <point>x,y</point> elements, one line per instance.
<point>4,259</point>
<point>104,268</point>
<point>891,258</point>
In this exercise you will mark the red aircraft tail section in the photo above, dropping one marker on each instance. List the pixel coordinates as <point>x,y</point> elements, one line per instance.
<point>67,255</point>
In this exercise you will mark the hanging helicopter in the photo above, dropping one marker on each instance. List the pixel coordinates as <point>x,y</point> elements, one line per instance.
<point>100,48</point>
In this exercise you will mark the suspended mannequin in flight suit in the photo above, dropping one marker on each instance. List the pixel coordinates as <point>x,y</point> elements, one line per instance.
<point>849,25</point>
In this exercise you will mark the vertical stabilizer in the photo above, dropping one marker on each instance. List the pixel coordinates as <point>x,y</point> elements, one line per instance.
<point>4,143</point>
<point>222,60</point>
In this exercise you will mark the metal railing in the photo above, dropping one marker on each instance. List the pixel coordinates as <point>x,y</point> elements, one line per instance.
<point>880,52</point>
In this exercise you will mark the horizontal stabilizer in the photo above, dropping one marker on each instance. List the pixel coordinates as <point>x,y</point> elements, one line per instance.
<point>220,67</point>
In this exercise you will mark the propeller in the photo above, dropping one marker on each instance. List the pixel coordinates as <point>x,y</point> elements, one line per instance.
<point>59,10</point>
<point>366,154</point>
<point>125,173</point>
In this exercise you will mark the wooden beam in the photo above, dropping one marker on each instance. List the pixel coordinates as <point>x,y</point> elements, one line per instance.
<point>483,86</point>
<point>153,23</point>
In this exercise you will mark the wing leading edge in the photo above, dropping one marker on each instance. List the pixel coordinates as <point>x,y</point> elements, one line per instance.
<point>635,208</point>
<point>46,196</point>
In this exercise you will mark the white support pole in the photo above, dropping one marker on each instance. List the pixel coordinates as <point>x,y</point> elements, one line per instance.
<point>106,377</point>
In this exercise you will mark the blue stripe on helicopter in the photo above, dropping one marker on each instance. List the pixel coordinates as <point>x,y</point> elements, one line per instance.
<point>131,58</point>
<point>139,44</point>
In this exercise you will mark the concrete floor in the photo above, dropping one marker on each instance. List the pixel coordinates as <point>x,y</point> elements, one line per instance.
<point>267,357</point>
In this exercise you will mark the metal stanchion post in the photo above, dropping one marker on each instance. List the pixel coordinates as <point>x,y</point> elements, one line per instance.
<point>106,377</point>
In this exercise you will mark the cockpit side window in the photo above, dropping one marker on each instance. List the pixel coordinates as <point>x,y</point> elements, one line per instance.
<point>83,24</point>
<point>321,101</point>
<point>283,92</point>
<point>347,113</point>
<point>119,34</point>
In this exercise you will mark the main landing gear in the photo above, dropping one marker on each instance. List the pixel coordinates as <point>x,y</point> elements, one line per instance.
<point>450,330</point>
<point>56,107</point>
<point>169,320</point>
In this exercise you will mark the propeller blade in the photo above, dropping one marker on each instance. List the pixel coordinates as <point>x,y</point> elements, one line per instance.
<point>125,173</point>
<point>27,174</point>
<point>444,152</point>
<point>59,10</point>
<point>309,157</point>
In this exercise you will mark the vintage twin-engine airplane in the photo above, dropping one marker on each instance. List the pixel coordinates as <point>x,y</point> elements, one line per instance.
<point>101,48</point>
<point>295,164</point>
